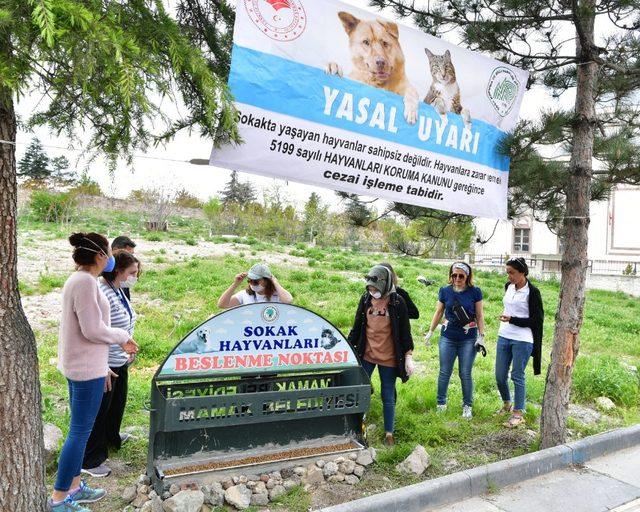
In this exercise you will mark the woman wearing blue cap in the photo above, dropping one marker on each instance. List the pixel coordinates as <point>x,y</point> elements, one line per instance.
<point>262,286</point>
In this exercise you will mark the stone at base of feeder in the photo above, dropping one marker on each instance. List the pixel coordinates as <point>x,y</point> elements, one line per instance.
<point>248,490</point>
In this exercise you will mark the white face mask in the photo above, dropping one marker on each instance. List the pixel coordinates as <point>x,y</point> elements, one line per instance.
<point>129,282</point>
<point>376,294</point>
<point>256,287</point>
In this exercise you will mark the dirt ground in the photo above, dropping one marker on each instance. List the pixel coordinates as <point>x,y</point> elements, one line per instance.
<point>40,257</point>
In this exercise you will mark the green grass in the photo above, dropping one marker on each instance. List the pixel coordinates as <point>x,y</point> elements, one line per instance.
<point>173,298</point>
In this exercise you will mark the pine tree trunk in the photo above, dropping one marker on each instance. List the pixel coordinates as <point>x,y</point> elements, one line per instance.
<point>569,314</point>
<point>22,486</point>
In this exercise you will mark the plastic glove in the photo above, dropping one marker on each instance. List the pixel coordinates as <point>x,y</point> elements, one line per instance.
<point>409,365</point>
<point>427,337</point>
<point>480,346</point>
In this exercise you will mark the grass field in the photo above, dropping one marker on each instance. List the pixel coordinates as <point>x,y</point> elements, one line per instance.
<point>175,295</point>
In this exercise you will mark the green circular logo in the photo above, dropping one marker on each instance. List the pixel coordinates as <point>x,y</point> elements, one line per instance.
<point>503,90</point>
<point>270,314</point>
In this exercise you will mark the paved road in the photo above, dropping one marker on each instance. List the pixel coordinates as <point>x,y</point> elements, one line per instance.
<point>610,483</point>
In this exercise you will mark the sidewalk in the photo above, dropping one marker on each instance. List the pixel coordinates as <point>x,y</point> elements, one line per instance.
<point>595,473</point>
<point>609,483</point>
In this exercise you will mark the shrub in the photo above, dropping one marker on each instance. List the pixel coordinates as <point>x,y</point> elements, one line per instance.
<point>52,207</point>
<point>87,187</point>
<point>596,376</point>
<point>186,200</point>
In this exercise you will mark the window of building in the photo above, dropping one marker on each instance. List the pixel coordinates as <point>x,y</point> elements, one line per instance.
<point>521,237</point>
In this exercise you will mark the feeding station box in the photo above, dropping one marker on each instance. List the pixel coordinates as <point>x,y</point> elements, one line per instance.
<point>253,389</point>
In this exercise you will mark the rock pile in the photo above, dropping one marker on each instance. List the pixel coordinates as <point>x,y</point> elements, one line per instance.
<point>246,490</point>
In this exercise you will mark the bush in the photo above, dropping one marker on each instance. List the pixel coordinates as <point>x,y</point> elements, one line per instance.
<point>186,200</point>
<point>87,187</point>
<point>596,376</point>
<point>51,206</point>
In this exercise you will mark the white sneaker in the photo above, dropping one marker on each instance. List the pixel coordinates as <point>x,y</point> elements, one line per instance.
<point>466,412</point>
<point>441,407</point>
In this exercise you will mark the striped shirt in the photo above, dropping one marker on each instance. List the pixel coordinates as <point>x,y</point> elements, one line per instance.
<point>122,316</point>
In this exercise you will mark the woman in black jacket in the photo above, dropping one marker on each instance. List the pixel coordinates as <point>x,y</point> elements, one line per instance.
<point>381,337</point>
<point>519,337</point>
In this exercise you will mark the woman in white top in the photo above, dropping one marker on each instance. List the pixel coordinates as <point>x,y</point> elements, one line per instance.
<point>106,428</point>
<point>262,286</point>
<point>519,336</point>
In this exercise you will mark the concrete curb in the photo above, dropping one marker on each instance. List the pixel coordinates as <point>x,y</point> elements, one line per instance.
<point>475,481</point>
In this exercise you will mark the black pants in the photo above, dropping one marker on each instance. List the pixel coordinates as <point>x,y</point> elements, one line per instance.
<point>106,429</point>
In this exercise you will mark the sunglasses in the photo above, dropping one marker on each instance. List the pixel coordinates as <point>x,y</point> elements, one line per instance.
<point>253,281</point>
<point>458,276</point>
<point>373,279</point>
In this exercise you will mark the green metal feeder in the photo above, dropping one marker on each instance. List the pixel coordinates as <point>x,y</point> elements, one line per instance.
<point>256,387</point>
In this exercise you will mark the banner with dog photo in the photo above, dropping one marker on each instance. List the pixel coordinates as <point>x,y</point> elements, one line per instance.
<point>338,97</point>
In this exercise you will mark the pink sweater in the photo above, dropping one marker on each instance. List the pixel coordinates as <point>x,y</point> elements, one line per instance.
<point>85,335</point>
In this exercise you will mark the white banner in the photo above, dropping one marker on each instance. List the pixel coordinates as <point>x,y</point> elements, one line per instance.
<point>337,97</point>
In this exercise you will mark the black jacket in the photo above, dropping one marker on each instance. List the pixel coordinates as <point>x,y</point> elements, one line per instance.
<point>400,329</point>
<point>414,314</point>
<point>535,322</point>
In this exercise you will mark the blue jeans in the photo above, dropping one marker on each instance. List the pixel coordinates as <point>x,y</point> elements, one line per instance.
<point>516,354</point>
<point>465,351</point>
<point>85,398</point>
<point>388,376</point>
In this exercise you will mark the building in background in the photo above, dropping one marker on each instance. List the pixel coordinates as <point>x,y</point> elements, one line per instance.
<point>614,238</point>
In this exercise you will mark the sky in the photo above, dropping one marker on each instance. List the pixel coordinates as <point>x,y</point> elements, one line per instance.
<point>168,167</point>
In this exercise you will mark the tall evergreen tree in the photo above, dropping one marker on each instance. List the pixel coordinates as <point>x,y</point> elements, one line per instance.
<point>237,192</point>
<point>61,173</point>
<point>34,165</point>
<point>106,66</point>
<point>557,42</point>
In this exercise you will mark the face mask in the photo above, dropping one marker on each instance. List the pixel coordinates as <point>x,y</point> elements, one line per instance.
<point>129,282</point>
<point>111,264</point>
<point>256,287</point>
<point>376,294</point>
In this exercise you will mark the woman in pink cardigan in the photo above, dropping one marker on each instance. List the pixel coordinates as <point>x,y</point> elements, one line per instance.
<point>83,350</point>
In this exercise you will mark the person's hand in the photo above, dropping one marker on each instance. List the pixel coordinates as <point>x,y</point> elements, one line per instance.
<point>505,318</point>
<point>409,365</point>
<point>427,337</point>
<point>108,385</point>
<point>130,347</point>
<point>240,277</point>
<point>480,346</point>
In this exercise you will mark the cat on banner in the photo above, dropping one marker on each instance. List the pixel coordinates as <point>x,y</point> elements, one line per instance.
<point>337,97</point>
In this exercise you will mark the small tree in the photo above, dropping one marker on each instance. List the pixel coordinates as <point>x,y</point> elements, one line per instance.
<point>315,217</point>
<point>61,173</point>
<point>186,199</point>
<point>212,210</point>
<point>34,165</point>
<point>237,192</point>
<point>358,213</point>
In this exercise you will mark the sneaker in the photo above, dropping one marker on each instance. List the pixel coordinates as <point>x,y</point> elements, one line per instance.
<point>101,471</point>
<point>389,440</point>
<point>466,412</point>
<point>68,505</point>
<point>124,438</point>
<point>441,408</point>
<point>87,494</point>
